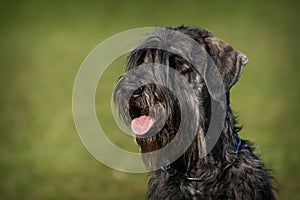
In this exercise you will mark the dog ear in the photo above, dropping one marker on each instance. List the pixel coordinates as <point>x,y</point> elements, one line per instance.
<point>229,61</point>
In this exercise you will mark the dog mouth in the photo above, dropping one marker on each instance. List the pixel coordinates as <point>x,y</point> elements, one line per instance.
<point>148,123</point>
<point>141,125</point>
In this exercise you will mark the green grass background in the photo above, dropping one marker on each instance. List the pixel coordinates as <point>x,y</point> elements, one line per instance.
<point>42,45</point>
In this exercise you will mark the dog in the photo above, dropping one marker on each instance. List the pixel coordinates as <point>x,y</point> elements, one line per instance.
<point>154,104</point>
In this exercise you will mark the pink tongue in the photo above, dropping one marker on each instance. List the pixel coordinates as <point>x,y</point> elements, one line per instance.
<point>142,124</point>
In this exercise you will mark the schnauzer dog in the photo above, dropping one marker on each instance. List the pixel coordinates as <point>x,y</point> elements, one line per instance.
<point>155,102</point>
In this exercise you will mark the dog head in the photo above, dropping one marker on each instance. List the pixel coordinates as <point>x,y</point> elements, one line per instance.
<point>154,101</point>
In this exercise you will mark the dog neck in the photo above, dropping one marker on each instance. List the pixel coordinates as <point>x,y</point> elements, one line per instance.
<point>226,149</point>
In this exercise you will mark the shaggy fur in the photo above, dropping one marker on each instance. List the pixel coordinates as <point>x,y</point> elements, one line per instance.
<point>231,170</point>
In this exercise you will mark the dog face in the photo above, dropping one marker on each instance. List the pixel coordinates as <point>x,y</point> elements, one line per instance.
<point>153,111</point>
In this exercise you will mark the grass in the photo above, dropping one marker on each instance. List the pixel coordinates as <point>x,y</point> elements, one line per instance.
<point>43,45</point>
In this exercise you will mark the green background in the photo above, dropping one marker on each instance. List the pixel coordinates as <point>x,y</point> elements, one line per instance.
<point>42,45</point>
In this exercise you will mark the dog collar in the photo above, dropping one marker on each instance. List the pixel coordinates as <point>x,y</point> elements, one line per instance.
<point>238,142</point>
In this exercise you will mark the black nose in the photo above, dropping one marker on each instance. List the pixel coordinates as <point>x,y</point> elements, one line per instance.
<point>129,89</point>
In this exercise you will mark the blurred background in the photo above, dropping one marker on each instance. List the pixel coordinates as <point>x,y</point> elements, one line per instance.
<point>42,45</point>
